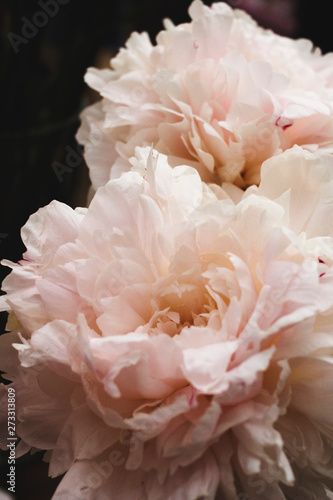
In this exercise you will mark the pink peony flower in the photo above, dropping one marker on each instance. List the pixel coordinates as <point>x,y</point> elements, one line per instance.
<point>218,93</point>
<point>168,343</point>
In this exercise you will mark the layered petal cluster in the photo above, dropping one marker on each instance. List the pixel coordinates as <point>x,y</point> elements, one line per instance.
<point>218,93</point>
<point>170,343</point>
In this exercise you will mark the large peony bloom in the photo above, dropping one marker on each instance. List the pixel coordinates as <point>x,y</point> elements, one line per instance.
<point>169,343</point>
<point>219,94</point>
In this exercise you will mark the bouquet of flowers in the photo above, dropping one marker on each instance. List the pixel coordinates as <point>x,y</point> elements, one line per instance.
<point>174,340</point>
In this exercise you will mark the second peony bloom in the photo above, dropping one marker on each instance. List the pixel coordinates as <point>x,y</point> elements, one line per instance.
<point>218,93</point>
<point>171,343</point>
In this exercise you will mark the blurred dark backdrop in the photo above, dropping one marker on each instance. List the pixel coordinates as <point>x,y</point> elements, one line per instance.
<point>45,48</point>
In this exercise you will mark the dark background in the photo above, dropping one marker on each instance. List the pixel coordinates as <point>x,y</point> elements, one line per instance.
<point>42,93</point>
